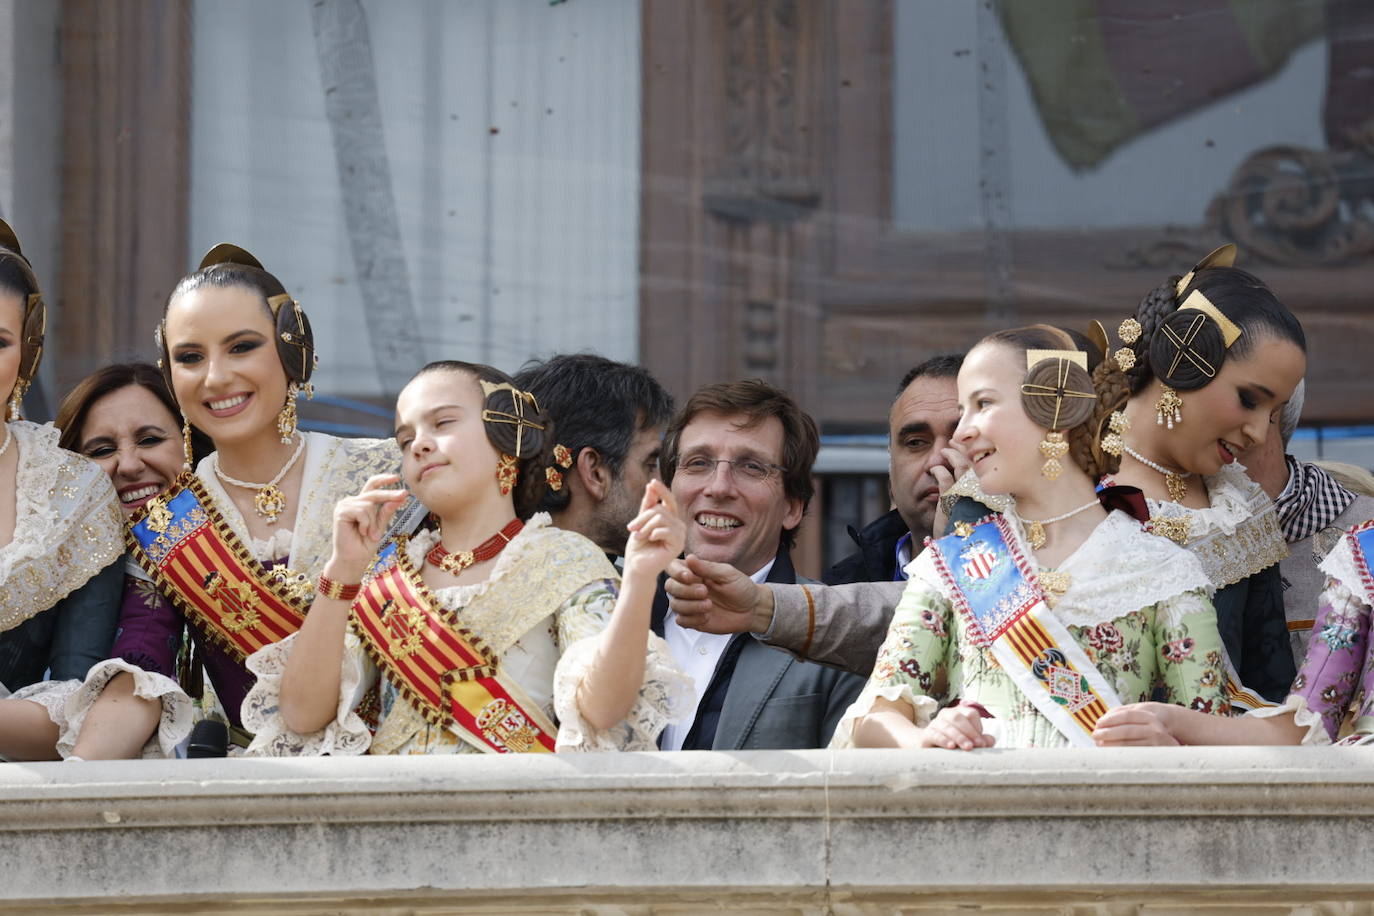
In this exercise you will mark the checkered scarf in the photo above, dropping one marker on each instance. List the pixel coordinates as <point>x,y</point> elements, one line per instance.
<point>1310,502</point>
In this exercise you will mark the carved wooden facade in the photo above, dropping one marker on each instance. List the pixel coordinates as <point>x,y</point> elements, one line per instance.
<point>768,246</point>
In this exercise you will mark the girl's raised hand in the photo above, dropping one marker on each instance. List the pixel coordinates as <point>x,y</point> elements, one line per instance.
<point>359,523</point>
<point>657,533</point>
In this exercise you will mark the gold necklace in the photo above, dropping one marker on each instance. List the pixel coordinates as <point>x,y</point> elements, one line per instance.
<point>1176,482</point>
<point>269,501</point>
<point>1035,530</point>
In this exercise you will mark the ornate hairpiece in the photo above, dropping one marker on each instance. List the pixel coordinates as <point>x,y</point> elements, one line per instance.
<point>1183,347</point>
<point>1224,256</point>
<point>518,401</point>
<point>1058,391</point>
<point>1196,300</point>
<point>562,458</point>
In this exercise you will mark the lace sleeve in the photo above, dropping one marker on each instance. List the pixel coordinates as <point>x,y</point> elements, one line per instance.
<point>665,695</point>
<point>347,735</point>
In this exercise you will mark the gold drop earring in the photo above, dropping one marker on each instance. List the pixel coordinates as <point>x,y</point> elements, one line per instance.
<point>1053,447</point>
<point>15,409</point>
<point>187,453</point>
<point>1168,411</point>
<point>286,418</point>
<point>507,473</point>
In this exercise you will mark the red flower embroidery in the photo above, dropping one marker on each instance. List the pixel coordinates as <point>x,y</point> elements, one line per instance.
<point>932,622</point>
<point>1108,636</point>
<point>1179,649</point>
<point>1201,705</point>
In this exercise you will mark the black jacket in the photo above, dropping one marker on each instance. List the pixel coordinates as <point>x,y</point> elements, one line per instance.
<point>876,558</point>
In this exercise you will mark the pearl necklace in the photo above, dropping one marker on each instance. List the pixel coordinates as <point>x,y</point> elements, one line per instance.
<point>269,501</point>
<point>1174,481</point>
<point>9,437</point>
<point>1035,530</point>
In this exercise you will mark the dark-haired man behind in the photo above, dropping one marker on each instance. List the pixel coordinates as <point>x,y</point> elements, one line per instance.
<point>610,415</point>
<point>920,424</point>
<point>738,457</point>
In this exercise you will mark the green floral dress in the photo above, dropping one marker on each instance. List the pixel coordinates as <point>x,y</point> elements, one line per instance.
<point>1136,603</point>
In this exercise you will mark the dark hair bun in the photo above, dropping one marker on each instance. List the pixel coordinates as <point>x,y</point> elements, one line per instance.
<point>295,340</point>
<point>1186,349</point>
<point>514,422</point>
<point>1054,386</point>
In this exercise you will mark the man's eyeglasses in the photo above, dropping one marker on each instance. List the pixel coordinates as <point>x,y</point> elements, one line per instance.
<point>748,468</point>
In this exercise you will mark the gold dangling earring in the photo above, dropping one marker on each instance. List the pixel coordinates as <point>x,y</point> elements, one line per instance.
<point>14,410</point>
<point>286,418</point>
<point>187,452</point>
<point>1167,408</point>
<point>1053,447</point>
<point>507,473</point>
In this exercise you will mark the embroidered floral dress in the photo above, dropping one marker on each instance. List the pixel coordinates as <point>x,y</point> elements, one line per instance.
<point>59,576</point>
<point>548,661</point>
<point>1135,603</point>
<point>151,626</point>
<point>1337,677</point>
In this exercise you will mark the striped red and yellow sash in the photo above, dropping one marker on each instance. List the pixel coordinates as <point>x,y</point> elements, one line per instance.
<point>997,594</point>
<point>183,542</point>
<point>444,670</point>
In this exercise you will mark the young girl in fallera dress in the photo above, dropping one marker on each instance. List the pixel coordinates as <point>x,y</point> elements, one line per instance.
<point>480,633</point>
<point>1024,629</point>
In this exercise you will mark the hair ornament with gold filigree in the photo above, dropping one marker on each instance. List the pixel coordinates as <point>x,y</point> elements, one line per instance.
<point>1057,394</point>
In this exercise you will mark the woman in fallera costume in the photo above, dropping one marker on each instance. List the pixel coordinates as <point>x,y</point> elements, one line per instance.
<point>124,419</point>
<point>1208,359</point>
<point>237,544</point>
<point>1024,629</point>
<point>60,528</point>
<point>481,633</point>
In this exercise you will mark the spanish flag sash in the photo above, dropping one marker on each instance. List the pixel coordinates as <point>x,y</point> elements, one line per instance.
<point>997,594</point>
<point>183,542</point>
<point>451,677</point>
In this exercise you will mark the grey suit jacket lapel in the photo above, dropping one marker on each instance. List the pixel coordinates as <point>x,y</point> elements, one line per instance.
<point>756,674</point>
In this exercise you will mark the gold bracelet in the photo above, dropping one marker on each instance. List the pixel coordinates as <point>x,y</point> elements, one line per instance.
<point>336,591</point>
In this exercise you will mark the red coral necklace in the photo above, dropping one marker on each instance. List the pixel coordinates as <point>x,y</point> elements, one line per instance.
<point>457,562</point>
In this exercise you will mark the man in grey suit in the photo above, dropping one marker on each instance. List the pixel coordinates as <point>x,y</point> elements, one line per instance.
<point>738,458</point>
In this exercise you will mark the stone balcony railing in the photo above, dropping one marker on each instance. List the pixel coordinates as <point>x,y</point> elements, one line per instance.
<point>1158,831</point>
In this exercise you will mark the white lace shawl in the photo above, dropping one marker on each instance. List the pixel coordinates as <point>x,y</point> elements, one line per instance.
<point>67,525</point>
<point>1119,569</point>
<point>549,677</point>
<point>1238,534</point>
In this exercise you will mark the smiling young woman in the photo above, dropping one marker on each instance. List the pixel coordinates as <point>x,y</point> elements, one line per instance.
<point>235,545</point>
<point>1209,358</point>
<point>60,535</point>
<point>1023,629</point>
<point>553,649</point>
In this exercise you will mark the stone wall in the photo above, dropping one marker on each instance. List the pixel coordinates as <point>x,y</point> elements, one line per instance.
<point>1158,831</point>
